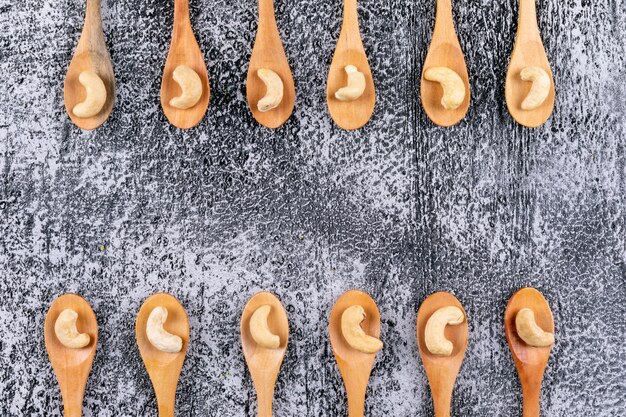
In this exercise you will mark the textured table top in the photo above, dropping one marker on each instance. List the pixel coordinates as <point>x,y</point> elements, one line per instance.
<point>399,209</point>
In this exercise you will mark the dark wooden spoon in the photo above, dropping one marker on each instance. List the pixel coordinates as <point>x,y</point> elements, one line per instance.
<point>91,55</point>
<point>530,361</point>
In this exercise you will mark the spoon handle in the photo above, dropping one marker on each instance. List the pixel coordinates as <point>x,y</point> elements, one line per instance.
<point>93,16</point>
<point>531,391</point>
<point>166,395</point>
<point>73,390</point>
<point>73,401</point>
<point>265,396</point>
<point>92,37</point>
<point>267,19</point>
<point>527,20</point>
<point>442,396</point>
<point>350,14</point>
<point>444,24</point>
<point>355,390</point>
<point>181,16</point>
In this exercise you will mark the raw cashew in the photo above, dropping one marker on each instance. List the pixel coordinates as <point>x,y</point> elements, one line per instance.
<point>274,87</point>
<point>96,95</point>
<point>353,332</point>
<point>452,84</point>
<point>191,86</point>
<point>529,331</point>
<point>539,90</point>
<point>434,336</point>
<point>158,336</point>
<point>66,331</point>
<point>260,330</point>
<point>355,87</point>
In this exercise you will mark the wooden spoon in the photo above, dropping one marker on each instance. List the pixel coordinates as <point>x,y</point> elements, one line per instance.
<point>71,366</point>
<point>268,53</point>
<point>349,51</point>
<point>184,50</point>
<point>528,51</point>
<point>91,54</point>
<point>530,361</point>
<point>442,370</point>
<point>163,367</point>
<point>444,51</point>
<point>355,366</point>
<point>263,363</point>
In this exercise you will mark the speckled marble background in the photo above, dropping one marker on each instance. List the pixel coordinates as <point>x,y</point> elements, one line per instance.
<point>399,209</point>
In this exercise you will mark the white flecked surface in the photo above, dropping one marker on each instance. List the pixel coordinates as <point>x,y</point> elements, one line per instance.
<point>399,209</point>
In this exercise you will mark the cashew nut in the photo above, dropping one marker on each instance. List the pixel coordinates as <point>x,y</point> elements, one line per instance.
<point>274,86</point>
<point>66,331</point>
<point>434,336</point>
<point>158,336</point>
<point>190,85</point>
<point>529,331</point>
<point>355,87</point>
<point>452,84</point>
<point>96,95</point>
<point>260,330</point>
<point>539,90</point>
<point>353,332</point>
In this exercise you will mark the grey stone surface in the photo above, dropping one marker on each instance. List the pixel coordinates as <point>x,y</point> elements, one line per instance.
<point>399,209</point>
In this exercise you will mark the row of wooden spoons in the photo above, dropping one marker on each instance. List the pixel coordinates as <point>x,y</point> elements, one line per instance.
<point>89,89</point>
<point>162,332</point>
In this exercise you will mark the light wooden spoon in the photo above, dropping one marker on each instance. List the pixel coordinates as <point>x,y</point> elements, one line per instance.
<point>91,54</point>
<point>184,50</point>
<point>268,53</point>
<point>530,361</point>
<point>444,51</point>
<point>264,363</point>
<point>164,368</point>
<point>349,51</point>
<point>71,366</point>
<point>355,366</point>
<point>528,51</point>
<point>442,370</point>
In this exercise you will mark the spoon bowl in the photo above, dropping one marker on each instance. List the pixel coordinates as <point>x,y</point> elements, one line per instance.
<point>528,51</point>
<point>264,363</point>
<point>184,50</point>
<point>444,51</point>
<point>268,53</point>
<point>442,370</point>
<point>91,54</point>
<point>71,366</point>
<point>349,51</point>
<point>163,368</point>
<point>355,366</point>
<point>530,361</point>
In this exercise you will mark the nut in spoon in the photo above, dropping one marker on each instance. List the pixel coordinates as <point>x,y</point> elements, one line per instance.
<point>163,367</point>
<point>441,367</point>
<point>531,361</point>
<point>528,52</point>
<point>71,365</point>
<point>264,337</point>
<point>268,53</point>
<point>184,51</point>
<point>349,51</point>
<point>444,51</point>
<point>355,365</point>
<point>91,55</point>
